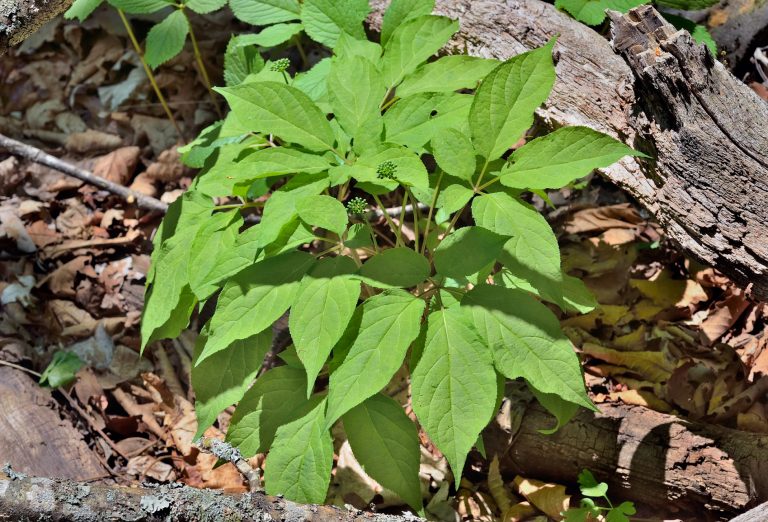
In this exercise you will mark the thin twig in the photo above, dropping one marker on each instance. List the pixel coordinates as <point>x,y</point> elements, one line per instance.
<point>38,156</point>
<point>87,418</point>
<point>20,368</point>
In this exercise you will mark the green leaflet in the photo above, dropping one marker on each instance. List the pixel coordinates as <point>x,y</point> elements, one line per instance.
<point>563,411</point>
<point>222,379</point>
<point>454,153</point>
<point>166,39</point>
<point>395,267</point>
<point>467,250</point>
<point>264,163</point>
<point>299,464</point>
<point>356,90</point>
<point>390,322</point>
<point>271,36</point>
<point>532,253</point>
<point>240,61</point>
<point>526,341</point>
<point>386,443</point>
<point>277,398</point>
<point>214,241</point>
<point>401,10</point>
<point>82,9</point>
<point>350,47</point>
<point>62,369</point>
<point>452,198</point>
<point>576,296</point>
<point>415,120</point>
<point>562,156</point>
<point>139,6</point>
<point>264,12</point>
<point>324,306</point>
<point>449,73</point>
<point>412,42</point>
<point>326,20</point>
<point>254,299</point>
<point>205,6</point>
<point>502,109</point>
<point>453,385</point>
<point>282,110</point>
<point>314,83</point>
<point>324,212</point>
<point>592,12</point>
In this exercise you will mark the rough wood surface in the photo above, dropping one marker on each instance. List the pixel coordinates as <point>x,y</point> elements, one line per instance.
<point>758,514</point>
<point>21,18</point>
<point>705,472</point>
<point>27,499</point>
<point>33,436</point>
<point>708,186</point>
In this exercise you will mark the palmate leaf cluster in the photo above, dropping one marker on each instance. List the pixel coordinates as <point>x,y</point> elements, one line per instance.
<point>460,306</point>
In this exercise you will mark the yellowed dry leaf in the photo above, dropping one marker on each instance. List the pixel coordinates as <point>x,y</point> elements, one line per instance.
<point>118,165</point>
<point>551,499</point>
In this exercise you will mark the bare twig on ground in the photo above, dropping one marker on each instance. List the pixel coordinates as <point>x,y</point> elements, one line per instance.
<point>38,156</point>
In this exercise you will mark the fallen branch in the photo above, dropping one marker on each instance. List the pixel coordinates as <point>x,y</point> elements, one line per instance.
<point>30,498</point>
<point>38,156</point>
<point>691,470</point>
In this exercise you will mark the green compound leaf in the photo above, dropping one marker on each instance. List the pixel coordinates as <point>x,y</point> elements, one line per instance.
<point>395,267</point>
<point>166,39</point>
<point>300,461</point>
<point>449,73</point>
<point>454,153</point>
<point>265,12</point>
<point>222,379</point>
<point>324,306</point>
<point>592,12</point>
<point>390,322</point>
<point>254,299</point>
<point>140,6</point>
<point>386,443</point>
<point>277,398</point>
<point>565,155</point>
<point>62,370</point>
<point>356,89</point>
<point>82,9</point>
<point>401,10</point>
<point>326,20</point>
<point>502,109</point>
<point>324,212</point>
<point>415,120</point>
<point>453,385</point>
<point>527,342</point>
<point>205,6</point>
<point>467,250</point>
<point>532,253</point>
<point>282,110</point>
<point>413,42</point>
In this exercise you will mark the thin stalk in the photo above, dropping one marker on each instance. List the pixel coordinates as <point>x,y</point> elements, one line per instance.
<point>431,210</point>
<point>148,71</point>
<point>402,211</point>
<point>201,66</point>
<point>416,219</point>
<point>328,251</point>
<point>488,184</point>
<point>391,223</point>
<point>480,177</point>
<point>302,53</point>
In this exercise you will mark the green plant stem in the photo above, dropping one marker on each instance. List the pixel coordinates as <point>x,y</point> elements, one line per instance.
<point>337,246</point>
<point>395,230</point>
<point>148,71</point>
<point>480,176</point>
<point>302,53</point>
<point>416,218</point>
<point>431,210</point>
<point>248,204</point>
<point>402,210</point>
<point>201,66</point>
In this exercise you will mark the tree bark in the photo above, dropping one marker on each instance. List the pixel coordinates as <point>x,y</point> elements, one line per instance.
<point>664,95</point>
<point>680,468</point>
<point>25,499</point>
<point>21,18</point>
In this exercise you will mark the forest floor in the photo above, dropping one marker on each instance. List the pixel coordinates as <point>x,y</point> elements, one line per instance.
<point>668,334</point>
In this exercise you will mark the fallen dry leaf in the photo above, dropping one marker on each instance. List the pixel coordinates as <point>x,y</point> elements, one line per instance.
<point>118,165</point>
<point>92,141</point>
<point>549,498</point>
<point>168,166</point>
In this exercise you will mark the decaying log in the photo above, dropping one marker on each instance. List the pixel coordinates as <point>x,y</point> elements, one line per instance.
<point>25,499</point>
<point>670,98</point>
<point>686,469</point>
<point>21,18</point>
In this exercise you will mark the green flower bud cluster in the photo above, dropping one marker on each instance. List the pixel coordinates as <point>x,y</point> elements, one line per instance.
<point>280,65</point>
<point>386,170</point>
<point>357,206</point>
